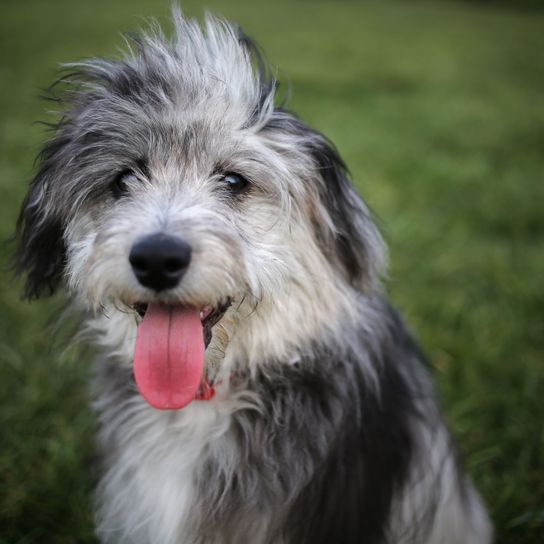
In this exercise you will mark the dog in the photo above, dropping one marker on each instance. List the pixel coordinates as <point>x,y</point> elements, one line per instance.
<point>254,384</point>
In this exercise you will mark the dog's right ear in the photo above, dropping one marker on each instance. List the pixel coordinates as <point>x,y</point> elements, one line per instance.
<point>40,251</point>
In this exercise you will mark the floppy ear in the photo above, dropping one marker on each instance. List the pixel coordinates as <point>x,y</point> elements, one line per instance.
<point>350,235</point>
<point>40,251</point>
<point>342,222</point>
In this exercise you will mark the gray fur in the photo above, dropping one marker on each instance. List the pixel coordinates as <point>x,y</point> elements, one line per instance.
<point>325,425</point>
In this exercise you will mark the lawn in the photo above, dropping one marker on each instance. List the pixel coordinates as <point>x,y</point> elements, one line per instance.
<point>438,109</point>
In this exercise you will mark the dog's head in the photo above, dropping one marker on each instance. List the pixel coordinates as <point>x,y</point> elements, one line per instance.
<point>174,185</point>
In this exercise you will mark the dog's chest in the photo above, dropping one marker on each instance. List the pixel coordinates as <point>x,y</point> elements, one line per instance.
<point>167,473</point>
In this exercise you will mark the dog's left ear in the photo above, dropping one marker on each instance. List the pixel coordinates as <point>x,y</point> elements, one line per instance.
<point>348,234</point>
<point>40,250</point>
<point>342,222</point>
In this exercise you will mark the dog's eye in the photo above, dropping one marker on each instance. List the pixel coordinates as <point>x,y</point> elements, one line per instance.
<point>121,183</point>
<point>235,182</point>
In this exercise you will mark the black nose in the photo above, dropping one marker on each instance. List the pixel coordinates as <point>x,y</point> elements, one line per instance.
<point>159,261</point>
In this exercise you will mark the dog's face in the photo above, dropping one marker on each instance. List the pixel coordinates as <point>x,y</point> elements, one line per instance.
<point>173,181</point>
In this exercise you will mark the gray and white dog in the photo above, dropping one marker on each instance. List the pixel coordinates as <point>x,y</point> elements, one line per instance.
<point>255,384</point>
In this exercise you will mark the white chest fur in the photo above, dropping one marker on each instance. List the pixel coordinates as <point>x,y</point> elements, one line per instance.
<point>148,494</point>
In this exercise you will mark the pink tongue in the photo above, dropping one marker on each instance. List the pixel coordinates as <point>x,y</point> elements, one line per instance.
<point>169,356</point>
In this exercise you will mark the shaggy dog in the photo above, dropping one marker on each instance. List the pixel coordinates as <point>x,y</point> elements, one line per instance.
<point>255,385</point>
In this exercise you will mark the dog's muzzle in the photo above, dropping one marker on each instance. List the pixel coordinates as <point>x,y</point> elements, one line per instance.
<point>159,261</point>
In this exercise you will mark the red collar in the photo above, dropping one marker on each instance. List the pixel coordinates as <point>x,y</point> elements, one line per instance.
<point>206,391</point>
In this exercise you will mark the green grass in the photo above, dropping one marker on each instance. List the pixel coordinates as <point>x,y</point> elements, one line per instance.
<point>438,109</point>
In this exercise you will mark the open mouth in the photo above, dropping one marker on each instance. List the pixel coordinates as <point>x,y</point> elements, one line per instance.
<point>169,356</point>
<point>209,316</point>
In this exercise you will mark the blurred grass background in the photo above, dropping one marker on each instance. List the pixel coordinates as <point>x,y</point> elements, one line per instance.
<point>438,109</point>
